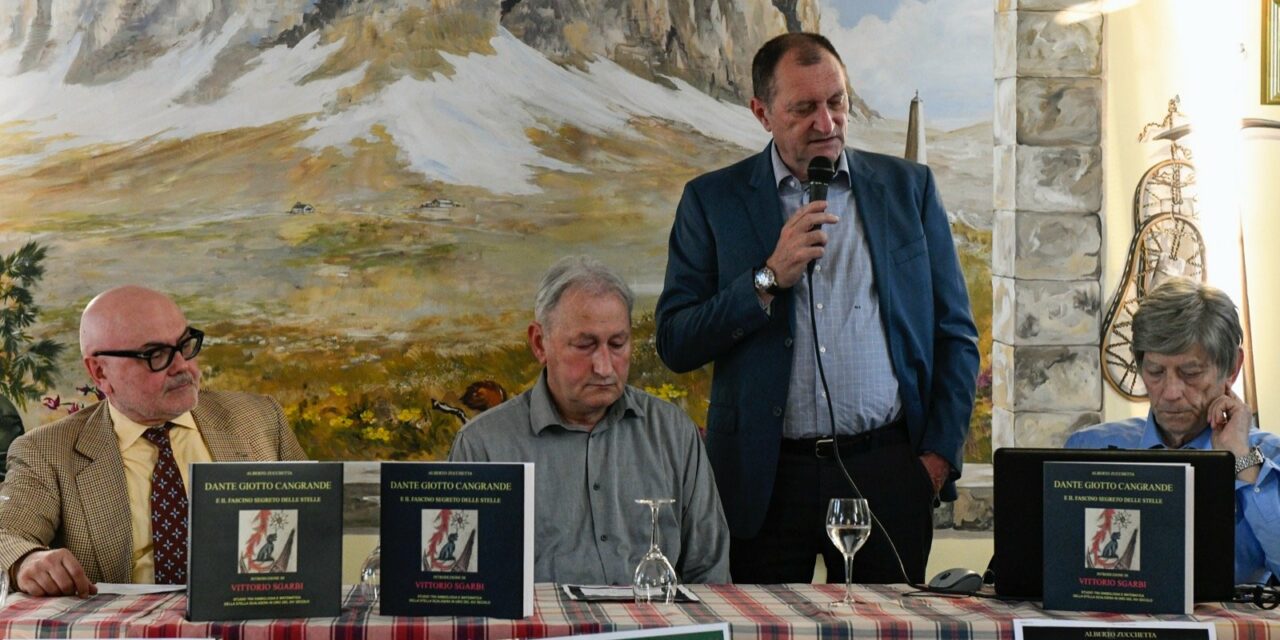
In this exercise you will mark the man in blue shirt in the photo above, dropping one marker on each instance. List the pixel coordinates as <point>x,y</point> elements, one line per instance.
<point>1186,339</point>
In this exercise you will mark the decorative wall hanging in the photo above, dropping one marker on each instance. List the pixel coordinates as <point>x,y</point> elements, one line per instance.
<point>1167,243</point>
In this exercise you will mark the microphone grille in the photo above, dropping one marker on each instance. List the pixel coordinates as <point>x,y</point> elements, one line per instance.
<point>821,170</point>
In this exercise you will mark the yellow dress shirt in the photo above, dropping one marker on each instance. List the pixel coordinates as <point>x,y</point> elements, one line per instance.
<point>139,461</point>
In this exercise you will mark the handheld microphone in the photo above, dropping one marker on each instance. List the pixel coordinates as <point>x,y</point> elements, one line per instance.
<point>821,171</point>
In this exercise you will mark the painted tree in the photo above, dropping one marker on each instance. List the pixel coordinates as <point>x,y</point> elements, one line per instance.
<point>28,366</point>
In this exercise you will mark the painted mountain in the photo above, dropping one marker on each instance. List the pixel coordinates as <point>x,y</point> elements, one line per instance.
<point>355,198</point>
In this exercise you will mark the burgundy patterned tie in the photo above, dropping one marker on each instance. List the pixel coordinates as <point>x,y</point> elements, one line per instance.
<point>168,511</point>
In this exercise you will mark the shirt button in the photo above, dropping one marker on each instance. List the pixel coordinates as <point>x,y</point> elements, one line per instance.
<point>596,486</point>
<point>777,411</point>
<point>604,538</point>
<point>819,306</point>
<point>787,343</point>
<point>822,349</point>
<point>817,267</point>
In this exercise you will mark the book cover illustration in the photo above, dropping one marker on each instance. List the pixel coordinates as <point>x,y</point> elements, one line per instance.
<point>1113,543</point>
<point>267,541</point>
<point>449,541</point>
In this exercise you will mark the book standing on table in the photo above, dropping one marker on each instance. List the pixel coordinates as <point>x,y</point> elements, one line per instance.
<point>266,540</point>
<point>1119,537</point>
<point>457,539</point>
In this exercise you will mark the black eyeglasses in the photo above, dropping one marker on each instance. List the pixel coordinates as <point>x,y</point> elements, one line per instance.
<point>159,358</point>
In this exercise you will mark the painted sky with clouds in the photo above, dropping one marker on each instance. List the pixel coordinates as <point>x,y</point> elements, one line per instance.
<point>943,48</point>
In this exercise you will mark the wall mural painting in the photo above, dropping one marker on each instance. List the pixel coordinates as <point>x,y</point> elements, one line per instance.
<point>355,199</point>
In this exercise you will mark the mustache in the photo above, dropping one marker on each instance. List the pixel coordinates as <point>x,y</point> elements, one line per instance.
<point>182,379</point>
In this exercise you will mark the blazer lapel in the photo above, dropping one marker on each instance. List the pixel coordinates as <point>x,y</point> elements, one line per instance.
<point>763,208</point>
<point>869,195</point>
<point>101,485</point>
<point>223,445</point>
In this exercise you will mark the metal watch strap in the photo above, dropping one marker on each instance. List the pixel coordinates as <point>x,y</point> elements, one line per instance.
<point>1252,459</point>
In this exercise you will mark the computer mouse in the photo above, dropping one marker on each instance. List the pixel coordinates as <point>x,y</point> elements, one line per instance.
<point>958,580</point>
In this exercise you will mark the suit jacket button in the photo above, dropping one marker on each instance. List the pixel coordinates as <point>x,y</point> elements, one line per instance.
<point>777,411</point>
<point>737,334</point>
<point>787,343</point>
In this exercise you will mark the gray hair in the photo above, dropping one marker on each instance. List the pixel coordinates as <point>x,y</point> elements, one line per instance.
<point>578,272</point>
<point>1183,313</point>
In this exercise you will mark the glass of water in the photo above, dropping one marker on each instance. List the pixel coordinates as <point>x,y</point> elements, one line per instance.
<point>848,526</point>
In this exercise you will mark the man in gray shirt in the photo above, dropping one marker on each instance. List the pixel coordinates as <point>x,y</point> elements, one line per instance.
<point>598,444</point>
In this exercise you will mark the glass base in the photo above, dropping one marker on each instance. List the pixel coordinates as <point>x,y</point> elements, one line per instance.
<point>843,604</point>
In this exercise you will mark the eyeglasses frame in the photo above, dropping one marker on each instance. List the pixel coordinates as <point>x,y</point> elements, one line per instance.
<point>191,333</point>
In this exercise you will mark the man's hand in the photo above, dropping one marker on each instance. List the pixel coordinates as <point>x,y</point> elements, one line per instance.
<point>939,470</point>
<point>54,572</point>
<point>1230,418</point>
<point>800,243</point>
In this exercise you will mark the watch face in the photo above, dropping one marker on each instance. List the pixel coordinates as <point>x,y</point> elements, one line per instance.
<point>764,279</point>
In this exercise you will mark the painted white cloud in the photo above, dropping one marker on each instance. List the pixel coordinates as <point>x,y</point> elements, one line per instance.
<point>941,48</point>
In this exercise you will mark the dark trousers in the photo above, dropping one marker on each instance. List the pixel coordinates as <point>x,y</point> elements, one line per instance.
<point>891,478</point>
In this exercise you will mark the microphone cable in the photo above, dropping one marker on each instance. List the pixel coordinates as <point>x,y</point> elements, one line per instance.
<point>835,441</point>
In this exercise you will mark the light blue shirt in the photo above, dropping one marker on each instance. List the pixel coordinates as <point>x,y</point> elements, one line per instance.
<point>1257,504</point>
<point>852,342</point>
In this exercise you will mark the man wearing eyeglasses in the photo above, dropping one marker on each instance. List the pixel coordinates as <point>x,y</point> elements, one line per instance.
<point>101,495</point>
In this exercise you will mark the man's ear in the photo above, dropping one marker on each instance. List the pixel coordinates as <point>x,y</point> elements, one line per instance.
<point>99,377</point>
<point>1236,367</point>
<point>536,344</point>
<point>761,111</point>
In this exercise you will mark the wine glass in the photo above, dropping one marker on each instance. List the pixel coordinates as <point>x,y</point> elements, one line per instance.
<point>371,576</point>
<point>655,579</point>
<point>848,526</point>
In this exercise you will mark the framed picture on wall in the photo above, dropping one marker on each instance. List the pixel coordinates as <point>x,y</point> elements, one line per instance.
<point>1270,51</point>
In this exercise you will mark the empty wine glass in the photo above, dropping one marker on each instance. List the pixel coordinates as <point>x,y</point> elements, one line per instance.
<point>655,579</point>
<point>848,526</point>
<point>371,576</point>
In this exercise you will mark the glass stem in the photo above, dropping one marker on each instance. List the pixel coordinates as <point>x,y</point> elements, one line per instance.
<point>848,579</point>
<point>653,536</point>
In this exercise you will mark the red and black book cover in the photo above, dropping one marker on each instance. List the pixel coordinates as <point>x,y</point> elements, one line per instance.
<point>457,539</point>
<point>265,540</point>
<point>1118,537</point>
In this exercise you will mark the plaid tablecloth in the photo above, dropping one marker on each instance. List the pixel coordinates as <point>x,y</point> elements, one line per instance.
<point>754,612</point>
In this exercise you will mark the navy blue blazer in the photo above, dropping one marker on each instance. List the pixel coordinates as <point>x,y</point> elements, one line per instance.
<point>727,224</point>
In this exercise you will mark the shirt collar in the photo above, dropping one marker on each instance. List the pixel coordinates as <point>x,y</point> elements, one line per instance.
<point>543,413</point>
<point>128,431</point>
<point>781,172</point>
<point>1151,436</point>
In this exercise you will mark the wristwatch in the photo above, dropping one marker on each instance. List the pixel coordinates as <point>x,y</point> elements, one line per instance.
<point>1251,459</point>
<point>766,280</point>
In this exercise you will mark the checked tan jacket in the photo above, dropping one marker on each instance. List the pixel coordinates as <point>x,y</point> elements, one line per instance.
<point>65,485</point>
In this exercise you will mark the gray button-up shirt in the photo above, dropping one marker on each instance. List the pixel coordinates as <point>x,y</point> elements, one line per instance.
<point>589,528</point>
<point>851,335</point>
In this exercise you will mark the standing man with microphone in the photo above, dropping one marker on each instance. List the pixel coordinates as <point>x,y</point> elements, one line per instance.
<point>892,324</point>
